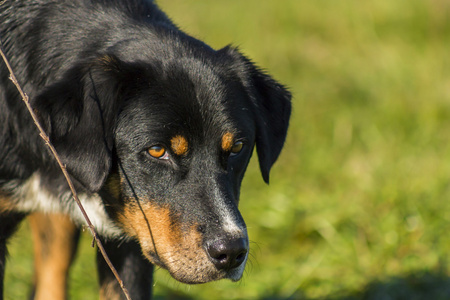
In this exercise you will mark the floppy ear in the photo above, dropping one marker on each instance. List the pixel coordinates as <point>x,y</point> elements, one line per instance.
<point>272,103</point>
<point>78,113</point>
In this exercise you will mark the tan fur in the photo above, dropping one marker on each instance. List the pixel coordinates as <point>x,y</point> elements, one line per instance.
<point>6,204</point>
<point>179,250</point>
<point>227,141</point>
<point>179,145</point>
<point>54,249</point>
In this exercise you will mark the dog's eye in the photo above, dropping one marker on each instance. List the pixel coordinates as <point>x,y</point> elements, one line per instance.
<point>158,152</point>
<point>237,147</point>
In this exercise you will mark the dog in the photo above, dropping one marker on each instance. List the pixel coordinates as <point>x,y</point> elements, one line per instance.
<point>155,128</point>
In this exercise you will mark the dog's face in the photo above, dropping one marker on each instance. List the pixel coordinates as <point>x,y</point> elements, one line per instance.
<point>174,141</point>
<point>183,145</point>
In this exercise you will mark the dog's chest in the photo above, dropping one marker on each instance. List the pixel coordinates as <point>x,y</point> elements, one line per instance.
<point>31,197</point>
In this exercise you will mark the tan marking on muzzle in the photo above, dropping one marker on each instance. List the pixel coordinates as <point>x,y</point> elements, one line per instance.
<point>178,248</point>
<point>227,141</point>
<point>179,145</point>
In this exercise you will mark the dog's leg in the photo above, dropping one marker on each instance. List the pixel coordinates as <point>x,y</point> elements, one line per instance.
<point>135,271</point>
<point>55,240</point>
<point>8,224</point>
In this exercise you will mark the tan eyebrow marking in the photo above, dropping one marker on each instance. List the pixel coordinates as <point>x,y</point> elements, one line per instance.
<point>179,145</point>
<point>227,141</point>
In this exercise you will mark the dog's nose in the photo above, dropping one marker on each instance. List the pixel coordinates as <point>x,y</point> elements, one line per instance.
<point>227,254</point>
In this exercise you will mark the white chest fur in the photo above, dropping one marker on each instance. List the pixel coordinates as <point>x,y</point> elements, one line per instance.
<point>32,197</point>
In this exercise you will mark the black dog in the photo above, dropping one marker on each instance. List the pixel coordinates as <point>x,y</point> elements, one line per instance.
<point>155,127</point>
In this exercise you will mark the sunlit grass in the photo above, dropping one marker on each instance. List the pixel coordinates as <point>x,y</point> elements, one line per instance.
<point>358,206</point>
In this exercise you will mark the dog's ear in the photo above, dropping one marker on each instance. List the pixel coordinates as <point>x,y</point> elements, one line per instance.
<point>78,113</point>
<point>272,103</point>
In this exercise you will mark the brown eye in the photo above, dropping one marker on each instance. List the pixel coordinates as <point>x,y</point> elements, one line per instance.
<point>158,152</point>
<point>237,147</point>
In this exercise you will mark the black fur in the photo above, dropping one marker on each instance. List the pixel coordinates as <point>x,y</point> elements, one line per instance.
<point>110,79</point>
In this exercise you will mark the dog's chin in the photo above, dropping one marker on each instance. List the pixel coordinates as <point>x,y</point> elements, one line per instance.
<point>195,271</point>
<point>233,275</point>
<point>205,274</point>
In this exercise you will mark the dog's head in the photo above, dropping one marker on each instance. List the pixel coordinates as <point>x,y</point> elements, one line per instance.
<point>166,143</point>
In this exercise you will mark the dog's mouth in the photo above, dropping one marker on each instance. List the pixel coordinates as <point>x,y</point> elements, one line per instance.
<point>192,267</point>
<point>184,252</point>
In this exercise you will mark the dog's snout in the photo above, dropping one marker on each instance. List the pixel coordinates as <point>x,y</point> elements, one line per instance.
<point>227,254</point>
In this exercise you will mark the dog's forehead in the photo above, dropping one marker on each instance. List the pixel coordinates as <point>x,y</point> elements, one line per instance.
<point>180,109</point>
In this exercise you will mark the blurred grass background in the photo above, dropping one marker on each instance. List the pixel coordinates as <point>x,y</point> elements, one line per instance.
<point>358,206</point>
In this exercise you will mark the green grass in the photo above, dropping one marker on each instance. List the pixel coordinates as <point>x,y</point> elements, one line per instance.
<point>359,201</point>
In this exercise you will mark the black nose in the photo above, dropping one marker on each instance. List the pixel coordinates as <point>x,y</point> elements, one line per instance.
<point>227,254</point>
